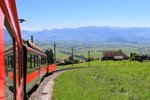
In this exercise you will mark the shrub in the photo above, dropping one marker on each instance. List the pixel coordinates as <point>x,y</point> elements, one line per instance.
<point>76,61</point>
<point>50,58</point>
<point>91,59</point>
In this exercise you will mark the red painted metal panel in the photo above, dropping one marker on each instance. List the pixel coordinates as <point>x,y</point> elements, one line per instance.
<point>43,69</point>
<point>1,55</point>
<point>52,67</point>
<point>31,76</point>
<point>10,76</point>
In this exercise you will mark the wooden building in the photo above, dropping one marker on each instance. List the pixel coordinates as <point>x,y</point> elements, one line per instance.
<point>114,55</point>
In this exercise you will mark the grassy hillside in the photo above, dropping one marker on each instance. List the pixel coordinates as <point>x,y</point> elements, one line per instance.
<point>113,82</point>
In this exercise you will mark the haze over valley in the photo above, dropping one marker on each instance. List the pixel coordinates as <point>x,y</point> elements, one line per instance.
<point>92,33</point>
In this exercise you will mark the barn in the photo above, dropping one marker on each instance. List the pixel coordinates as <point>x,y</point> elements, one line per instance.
<point>114,55</point>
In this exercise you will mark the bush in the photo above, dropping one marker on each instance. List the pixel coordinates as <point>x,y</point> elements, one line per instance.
<point>76,61</point>
<point>91,59</point>
<point>70,58</point>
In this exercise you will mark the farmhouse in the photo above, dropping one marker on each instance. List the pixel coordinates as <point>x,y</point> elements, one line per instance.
<point>114,55</point>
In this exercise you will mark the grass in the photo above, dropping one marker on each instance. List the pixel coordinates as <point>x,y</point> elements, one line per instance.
<point>113,82</point>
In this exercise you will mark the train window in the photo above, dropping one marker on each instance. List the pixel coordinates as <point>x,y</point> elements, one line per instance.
<point>43,61</point>
<point>32,62</point>
<point>9,66</point>
<point>37,61</point>
<point>29,61</point>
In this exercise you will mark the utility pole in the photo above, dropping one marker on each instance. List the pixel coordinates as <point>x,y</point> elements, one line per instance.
<point>89,57</point>
<point>32,38</point>
<point>72,57</point>
<point>99,54</point>
<point>31,54</point>
<point>54,53</point>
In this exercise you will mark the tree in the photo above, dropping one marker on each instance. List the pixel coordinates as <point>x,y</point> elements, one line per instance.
<point>70,58</point>
<point>134,56</point>
<point>76,61</point>
<point>50,58</point>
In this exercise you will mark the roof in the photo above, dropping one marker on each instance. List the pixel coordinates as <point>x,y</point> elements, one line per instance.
<point>32,45</point>
<point>113,53</point>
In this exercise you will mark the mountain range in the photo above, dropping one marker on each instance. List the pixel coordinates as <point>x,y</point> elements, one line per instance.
<point>91,33</point>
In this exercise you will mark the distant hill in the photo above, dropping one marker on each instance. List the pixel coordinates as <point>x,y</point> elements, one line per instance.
<point>91,33</point>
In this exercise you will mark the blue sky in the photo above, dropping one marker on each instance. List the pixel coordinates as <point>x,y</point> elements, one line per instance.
<point>49,14</point>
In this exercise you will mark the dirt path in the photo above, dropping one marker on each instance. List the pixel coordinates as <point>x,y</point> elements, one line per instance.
<point>45,88</point>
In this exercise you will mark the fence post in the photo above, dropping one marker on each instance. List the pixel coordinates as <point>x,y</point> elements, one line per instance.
<point>54,53</point>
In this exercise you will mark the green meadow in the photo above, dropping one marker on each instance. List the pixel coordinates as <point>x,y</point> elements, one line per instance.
<point>104,80</point>
<point>64,48</point>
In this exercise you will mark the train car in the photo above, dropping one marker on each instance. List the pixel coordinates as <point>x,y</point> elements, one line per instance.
<point>36,65</point>
<point>22,65</point>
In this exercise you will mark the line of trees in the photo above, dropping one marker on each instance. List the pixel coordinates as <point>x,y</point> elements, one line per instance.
<point>141,58</point>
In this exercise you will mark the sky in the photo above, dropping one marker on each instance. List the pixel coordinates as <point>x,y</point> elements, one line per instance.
<point>50,14</point>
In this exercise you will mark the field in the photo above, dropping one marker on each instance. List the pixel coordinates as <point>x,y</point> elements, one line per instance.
<point>112,80</point>
<point>63,49</point>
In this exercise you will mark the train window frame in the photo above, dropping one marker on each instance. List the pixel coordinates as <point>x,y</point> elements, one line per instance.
<point>32,51</point>
<point>43,62</point>
<point>14,58</point>
<point>33,61</point>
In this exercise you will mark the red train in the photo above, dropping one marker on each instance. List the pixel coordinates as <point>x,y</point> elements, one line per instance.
<point>22,64</point>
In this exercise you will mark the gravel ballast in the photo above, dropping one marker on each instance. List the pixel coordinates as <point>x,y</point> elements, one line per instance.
<point>45,88</point>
